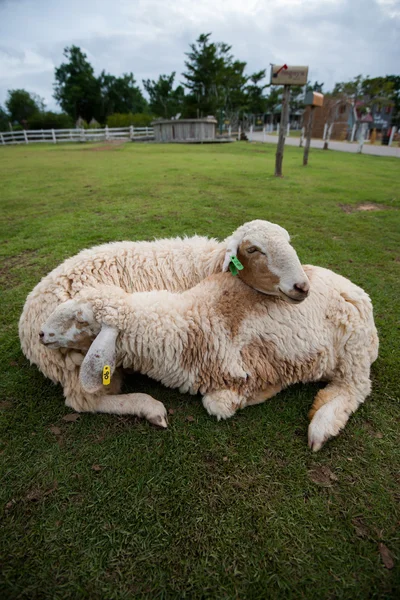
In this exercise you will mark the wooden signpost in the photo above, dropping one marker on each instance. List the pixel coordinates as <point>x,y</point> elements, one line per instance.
<point>286,76</point>
<point>312,99</point>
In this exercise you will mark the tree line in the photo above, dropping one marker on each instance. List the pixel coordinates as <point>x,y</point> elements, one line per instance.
<point>214,83</point>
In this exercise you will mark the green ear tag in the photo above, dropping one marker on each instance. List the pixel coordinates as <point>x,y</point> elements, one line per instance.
<point>233,269</point>
<point>237,263</point>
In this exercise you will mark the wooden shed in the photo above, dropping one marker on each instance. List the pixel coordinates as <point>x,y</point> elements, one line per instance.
<point>185,130</point>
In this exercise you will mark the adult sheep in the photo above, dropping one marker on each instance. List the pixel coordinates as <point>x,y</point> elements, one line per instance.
<point>232,344</point>
<point>169,264</point>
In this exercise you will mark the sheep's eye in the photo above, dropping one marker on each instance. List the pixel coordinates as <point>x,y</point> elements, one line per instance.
<point>252,249</point>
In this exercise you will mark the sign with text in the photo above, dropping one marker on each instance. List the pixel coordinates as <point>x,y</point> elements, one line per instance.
<point>287,75</point>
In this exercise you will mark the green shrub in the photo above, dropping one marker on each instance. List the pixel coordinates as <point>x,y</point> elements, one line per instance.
<point>50,120</point>
<point>128,119</point>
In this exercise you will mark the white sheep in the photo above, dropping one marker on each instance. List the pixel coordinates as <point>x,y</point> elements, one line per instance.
<point>173,264</point>
<point>230,343</point>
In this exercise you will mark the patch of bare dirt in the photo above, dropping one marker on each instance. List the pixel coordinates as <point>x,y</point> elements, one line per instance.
<point>363,207</point>
<point>322,476</point>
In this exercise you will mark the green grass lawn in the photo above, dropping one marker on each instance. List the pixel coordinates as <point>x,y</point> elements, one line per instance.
<point>110,507</point>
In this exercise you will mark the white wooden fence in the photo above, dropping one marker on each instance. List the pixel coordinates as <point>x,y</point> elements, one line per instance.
<point>75,135</point>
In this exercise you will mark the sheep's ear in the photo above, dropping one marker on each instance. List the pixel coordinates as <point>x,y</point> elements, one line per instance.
<point>102,352</point>
<point>232,248</point>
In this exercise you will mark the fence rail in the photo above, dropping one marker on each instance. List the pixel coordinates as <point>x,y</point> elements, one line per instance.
<point>75,135</point>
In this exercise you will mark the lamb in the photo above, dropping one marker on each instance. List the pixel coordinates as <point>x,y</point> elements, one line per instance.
<point>235,346</point>
<point>173,264</point>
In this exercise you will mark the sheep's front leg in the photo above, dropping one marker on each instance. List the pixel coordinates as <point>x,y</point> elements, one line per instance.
<point>223,403</point>
<point>332,408</point>
<point>140,405</point>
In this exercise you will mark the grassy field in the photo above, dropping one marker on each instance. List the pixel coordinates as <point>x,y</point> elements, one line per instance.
<point>110,507</point>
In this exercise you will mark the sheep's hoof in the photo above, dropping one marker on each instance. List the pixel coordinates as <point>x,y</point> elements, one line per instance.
<point>322,428</point>
<point>156,414</point>
<point>317,436</point>
<point>159,421</point>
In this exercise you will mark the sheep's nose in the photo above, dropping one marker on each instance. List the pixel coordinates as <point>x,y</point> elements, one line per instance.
<point>41,334</point>
<point>302,288</point>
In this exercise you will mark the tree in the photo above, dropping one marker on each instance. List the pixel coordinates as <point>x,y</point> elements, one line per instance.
<point>126,120</point>
<point>76,89</point>
<point>256,101</point>
<point>165,101</point>
<point>273,100</point>
<point>22,105</point>
<point>377,90</point>
<point>315,87</point>
<point>395,80</point>
<point>120,95</point>
<point>4,119</point>
<point>50,120</point>
<point>214,79</point>
<point>350,89</point>
<point>296,101</point>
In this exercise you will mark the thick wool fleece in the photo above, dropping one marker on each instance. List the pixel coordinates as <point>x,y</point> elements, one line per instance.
<point>171,264</point>
<point>222,334</point>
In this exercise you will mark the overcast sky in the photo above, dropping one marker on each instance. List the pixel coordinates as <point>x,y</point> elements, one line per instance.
<point>338,39</point>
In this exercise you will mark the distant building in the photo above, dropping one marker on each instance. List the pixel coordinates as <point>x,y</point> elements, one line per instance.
<point>381,116</point>
<point>337,113</point>
<point>341,115</point>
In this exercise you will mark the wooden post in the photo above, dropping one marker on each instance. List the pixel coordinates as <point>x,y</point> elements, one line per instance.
<point>361,137</point>
<point>2,139</point>
<point>54,136</point>
<point>106,133</point>
<point>394,129</point>
<point>301,137</point>
<point>264,133</point>
<point>251,133</point>
<point>239,133</point>
<point>282,130</point>
<point>308,136</point>
<point>328,136</point>
<point>229,131</point>
<point>26,137</point>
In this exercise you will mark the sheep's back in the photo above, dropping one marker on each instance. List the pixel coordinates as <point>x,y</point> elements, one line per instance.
<point>172,264</point>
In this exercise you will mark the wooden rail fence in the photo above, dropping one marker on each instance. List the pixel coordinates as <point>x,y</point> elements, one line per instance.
<point>75,135</point>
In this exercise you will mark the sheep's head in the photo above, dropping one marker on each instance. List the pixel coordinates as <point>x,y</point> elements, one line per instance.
<point>271,264</point>
<point>70,325</point>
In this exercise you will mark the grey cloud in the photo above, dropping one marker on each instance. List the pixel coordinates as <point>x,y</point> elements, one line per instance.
<point>338,39</point>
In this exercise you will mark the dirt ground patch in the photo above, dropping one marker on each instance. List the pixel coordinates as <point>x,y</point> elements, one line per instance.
<point>363,207</point>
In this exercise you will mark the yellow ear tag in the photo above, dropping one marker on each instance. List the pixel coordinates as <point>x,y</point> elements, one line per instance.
<point>106,375</point>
